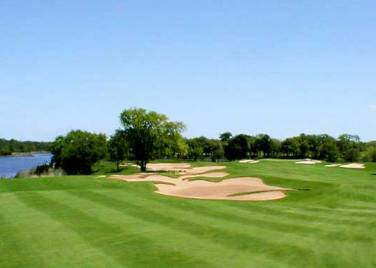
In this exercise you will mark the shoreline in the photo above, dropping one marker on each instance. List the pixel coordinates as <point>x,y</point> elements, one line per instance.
<point>24,154</point>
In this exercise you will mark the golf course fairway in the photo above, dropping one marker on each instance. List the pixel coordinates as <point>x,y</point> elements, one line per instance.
<point>327,220</point>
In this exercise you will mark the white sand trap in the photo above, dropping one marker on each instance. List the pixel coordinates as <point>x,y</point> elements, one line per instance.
<point>241,189</point>
<point>232,189</point>
<point>201,170</point>
<point>181,168</point>
<point>333,165</point>
<point>308,162</point>
<point>131,177</point>
<point>249,161</point>
<point>168,167</point>
<point>354,166</point>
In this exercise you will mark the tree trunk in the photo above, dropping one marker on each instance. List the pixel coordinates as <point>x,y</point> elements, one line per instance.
<point>143,166</point>
<point>117,166</point>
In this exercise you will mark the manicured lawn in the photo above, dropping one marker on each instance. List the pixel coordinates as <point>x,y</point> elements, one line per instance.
<point>96,222</point>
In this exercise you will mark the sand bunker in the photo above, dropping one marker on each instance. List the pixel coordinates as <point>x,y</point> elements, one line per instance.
<point>231,189</point>
<point>308,162</point>
<point>333,165</point>
<point>168,167</point>
<point>249,161</point>
<point>241,189</point>
<point>201,170</point>
<point>354,166</point>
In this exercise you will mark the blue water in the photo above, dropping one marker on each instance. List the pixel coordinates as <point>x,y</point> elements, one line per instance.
<point>11,165</point>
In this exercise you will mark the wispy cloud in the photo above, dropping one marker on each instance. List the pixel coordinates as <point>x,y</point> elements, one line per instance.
<point>372,107</point>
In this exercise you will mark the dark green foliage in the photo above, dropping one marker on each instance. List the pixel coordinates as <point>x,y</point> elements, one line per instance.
<point>195,148</point>
<point>239,147</point>
<point>225,137</point>
<point>328,150</point>
<point>276,146</point>
<point>78,151</point>
<point>118,148</point>
<point>204,148</point>
<point>263,145</point>
<point>215,150</point>
<point>290,148</point>
<point>323,147</point>
<point>42,169</point>
<point>370,152</point>
<point>349,147</point>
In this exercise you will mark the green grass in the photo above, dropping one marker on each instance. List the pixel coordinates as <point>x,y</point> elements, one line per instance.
<point>87,221</point>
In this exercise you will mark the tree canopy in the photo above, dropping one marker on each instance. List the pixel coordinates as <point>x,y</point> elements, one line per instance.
<point>147,135</point>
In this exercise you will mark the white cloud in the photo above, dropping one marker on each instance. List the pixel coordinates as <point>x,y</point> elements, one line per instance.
<point>372,107</point>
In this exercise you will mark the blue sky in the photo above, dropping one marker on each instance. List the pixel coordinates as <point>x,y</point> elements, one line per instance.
<point>276,67</point>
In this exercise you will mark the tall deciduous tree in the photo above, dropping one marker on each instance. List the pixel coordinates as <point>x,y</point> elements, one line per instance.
<point>148,132</point>
<point>349,147</point>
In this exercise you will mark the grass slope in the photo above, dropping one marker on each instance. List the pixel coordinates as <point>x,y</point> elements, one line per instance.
<point>95,222</point>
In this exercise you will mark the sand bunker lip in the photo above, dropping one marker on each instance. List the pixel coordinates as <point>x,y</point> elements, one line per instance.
<point>248,161</point>
<point>333,165</point>
<point>349,166</point>
<point>354,166</point>
<point>176,167</point>
<point>309,162</point>
<point>239,189</point>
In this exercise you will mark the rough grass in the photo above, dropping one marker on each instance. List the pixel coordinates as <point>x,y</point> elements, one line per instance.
<point>86,221</point>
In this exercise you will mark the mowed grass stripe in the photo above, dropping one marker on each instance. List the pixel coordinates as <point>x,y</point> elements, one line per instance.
<point>12,247</point>
<point>196,243</point>
<point>248,239</point>
<point>303,215</point>
<point>313,228</point>
<point>303,238</point>
<point>312,225</point>
<point>332,224</point>
<point>115,240</point>
<point>43,240</point>
<point>348,239</point>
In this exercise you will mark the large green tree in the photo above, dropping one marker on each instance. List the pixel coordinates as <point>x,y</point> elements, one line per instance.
<point>239,147</point>
<point>149,133</point>
<point>78,151</point>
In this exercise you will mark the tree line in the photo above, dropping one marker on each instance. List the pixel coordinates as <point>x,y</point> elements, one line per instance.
<point>8,147</point>
<point>147,135</point>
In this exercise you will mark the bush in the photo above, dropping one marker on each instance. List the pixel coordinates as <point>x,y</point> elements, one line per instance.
<point>77,152</point>
<point>42,169</point>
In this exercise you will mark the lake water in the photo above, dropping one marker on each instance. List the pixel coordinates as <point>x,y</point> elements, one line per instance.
<point>11,165</point>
